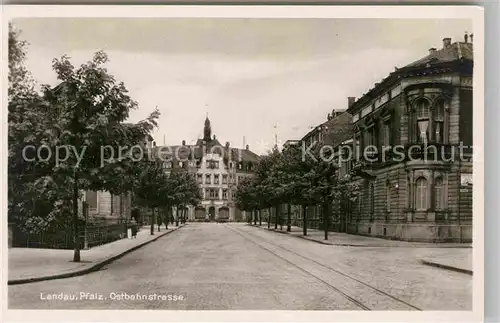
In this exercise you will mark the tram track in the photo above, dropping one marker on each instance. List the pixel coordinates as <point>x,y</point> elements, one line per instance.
<point>368,297</point>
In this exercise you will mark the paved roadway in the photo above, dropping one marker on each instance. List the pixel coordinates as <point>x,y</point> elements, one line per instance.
<point>234,266</point>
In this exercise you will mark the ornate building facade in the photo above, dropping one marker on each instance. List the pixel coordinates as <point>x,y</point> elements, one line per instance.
<point>409,149</point>
<point>413,138</point>
<point>217,168</point>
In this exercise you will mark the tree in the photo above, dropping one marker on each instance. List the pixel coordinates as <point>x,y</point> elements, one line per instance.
<point>151,189</point>
<point>36,196</point>
<point>184,191</point>
<point>91,107</point>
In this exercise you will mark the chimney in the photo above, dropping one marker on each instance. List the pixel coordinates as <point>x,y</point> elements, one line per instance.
<point>432,50</point>
<point>466,37</point>
<point>154,143</point>
<point>471,38</point>
<point>446,42</point>
<point>247,147</point>
<point>329,117</point>
<point>350,101</point>
<point>227,144</point>
<point>215,137</point>
<point>184,142</point>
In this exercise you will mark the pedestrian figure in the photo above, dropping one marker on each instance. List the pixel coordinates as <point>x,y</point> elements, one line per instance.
<point>134,229</point>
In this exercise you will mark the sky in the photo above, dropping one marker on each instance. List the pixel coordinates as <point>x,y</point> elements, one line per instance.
<point>254,78</point>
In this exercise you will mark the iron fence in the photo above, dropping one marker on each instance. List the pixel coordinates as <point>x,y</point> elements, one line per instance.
<point>94,235</point>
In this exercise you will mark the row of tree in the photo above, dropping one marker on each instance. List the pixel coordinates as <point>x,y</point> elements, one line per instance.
<point>66,127</point>
<point>293,179</point>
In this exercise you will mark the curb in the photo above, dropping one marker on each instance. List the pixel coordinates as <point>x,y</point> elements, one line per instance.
<point>359,245</point>
<point>446,267</point>
<point>85,271</point>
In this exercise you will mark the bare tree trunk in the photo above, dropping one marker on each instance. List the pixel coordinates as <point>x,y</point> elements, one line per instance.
<point>254,212</point>
<point>177,217</point>
<point>269,217</point>
<point>304,219</point>
<point>260,217</point>
<point>152,221</point>
<point>275,217</point>
<point>289,218</point>
<point>76,233</point>
<point>166,215</point>
<point>326,218</point>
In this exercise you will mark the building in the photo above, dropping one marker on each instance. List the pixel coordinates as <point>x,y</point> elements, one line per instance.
<point>407,144</point>
<point>217,168</point>
<point>103,205</point>
<point>416,181</point>
<point>335,130</point>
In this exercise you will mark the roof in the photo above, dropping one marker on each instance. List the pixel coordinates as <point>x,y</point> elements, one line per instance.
<point>340,129</point>
<point>455,51</point>
<point>179,152</point>
<point>460,52</point>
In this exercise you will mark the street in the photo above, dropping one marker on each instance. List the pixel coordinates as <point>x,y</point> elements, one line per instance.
<point>209,266</point>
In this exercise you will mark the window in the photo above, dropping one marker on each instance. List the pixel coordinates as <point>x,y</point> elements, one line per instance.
<point>224,194</point>
<point>216,179</point>
<point>421,196</point>
<point>357,147</point>
<point>91,199</point>
<point>115,204</point>
<point>387,134</point>
<point>208,179</point>
<point>199,178</point>
<point>422,111</point>
<point>167,165</point>
<point>224,179</point>
<point>181,164</point>
<point>213,193</point>
<point>439,122</point>
<point>240,165</point>
<point>439,193</point>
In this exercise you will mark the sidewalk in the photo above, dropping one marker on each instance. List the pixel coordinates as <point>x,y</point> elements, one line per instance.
<point>460,263</point>
<point>31,264</point>
<point>433,254</point>
<point>353,240</point>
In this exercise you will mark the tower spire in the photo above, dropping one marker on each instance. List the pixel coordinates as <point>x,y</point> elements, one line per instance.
<point>207,130</point>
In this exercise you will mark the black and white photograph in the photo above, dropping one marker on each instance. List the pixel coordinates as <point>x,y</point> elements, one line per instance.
<point>189,161</point>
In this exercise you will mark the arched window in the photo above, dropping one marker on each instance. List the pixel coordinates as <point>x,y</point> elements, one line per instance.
<point>421,196</point>
<point>439,122</point>
<point>439,193</point>
<point>423,114</point>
